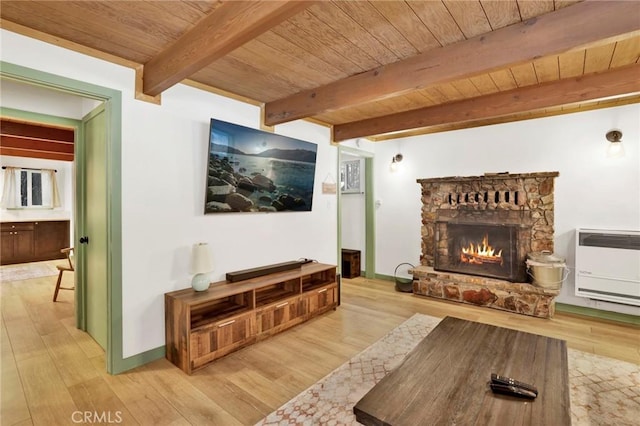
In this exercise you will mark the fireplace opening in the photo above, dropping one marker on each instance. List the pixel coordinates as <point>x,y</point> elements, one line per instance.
<point>489,250</point>
<point>481,253</point>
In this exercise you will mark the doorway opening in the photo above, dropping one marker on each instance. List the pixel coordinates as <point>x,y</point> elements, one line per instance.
<point>356,230</point>
<point>112,106</point>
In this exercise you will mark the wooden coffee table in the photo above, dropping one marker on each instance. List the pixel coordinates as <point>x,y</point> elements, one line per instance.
<point>445,380</point>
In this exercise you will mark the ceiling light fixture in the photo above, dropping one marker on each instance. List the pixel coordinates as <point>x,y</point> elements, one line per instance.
<point>395,162</point>
<point>615,148</point>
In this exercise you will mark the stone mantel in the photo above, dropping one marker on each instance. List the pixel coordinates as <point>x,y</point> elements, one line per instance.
<point>492,176</point>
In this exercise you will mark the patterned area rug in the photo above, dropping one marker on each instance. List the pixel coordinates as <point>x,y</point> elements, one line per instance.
<point>604,391</point>
<point>26,271</point>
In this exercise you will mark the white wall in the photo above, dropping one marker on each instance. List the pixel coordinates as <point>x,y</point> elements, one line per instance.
<point>163,170</point>
<point>592,191</point>
<point>25,97</point>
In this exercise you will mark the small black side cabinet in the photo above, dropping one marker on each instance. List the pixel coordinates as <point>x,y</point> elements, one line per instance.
<point>350,263</point>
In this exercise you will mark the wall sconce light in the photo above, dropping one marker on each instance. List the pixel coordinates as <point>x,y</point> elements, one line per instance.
<point>395,162</point>
<point>201,265</point>
<point>615,148</point>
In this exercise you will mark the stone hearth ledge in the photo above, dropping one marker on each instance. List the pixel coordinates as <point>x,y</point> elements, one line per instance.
<point>521,298</point>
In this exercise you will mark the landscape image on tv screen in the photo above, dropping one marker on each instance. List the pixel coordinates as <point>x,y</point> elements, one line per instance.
<point>251,170</point>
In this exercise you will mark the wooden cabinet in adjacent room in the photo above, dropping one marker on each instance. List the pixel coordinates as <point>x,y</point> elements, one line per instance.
<point>350,263</point>
<point>17,242</point>
<point>50,238</point>
<point>33,241</point>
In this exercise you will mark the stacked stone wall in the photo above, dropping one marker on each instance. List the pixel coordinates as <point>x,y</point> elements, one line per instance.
<point>520,298</point>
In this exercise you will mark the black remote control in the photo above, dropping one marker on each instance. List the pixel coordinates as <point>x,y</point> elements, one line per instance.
<point>508,381</point>
<point>512,391</point>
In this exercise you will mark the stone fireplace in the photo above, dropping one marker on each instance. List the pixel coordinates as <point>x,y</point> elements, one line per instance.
<point>476,233</point>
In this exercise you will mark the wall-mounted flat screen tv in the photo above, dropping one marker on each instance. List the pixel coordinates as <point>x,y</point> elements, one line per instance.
<point>252,170</point>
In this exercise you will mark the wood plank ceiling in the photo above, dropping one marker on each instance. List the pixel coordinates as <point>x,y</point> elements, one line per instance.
<point>376,69</point>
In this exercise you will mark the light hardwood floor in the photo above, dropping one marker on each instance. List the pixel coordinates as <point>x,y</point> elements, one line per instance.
<point>53,373</point>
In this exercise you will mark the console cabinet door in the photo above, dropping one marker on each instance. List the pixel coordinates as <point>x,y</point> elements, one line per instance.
<point>280,316</point>
<point>321,299</point>
<point>220,338</point>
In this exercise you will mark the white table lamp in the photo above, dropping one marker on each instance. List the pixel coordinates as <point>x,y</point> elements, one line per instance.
<point>201,265</point>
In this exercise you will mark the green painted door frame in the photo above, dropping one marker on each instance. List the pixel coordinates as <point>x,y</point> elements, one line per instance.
<point>112,99</point>
<point>369,210</point>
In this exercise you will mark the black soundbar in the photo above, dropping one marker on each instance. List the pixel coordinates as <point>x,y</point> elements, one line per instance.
<point>262,270</point>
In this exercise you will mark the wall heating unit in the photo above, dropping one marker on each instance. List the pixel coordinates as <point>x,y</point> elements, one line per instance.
<point>608,265</point>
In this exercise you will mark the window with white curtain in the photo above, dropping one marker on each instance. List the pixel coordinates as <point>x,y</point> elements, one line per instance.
<point>29,188</point>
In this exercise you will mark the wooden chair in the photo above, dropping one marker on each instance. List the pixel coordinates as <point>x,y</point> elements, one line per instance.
<point>64,267</point>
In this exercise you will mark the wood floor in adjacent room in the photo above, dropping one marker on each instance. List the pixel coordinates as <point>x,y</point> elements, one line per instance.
<point>53,374</point>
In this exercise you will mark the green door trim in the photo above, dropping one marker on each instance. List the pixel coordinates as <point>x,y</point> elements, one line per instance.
<point>369,209</point>
<point>115,363</point>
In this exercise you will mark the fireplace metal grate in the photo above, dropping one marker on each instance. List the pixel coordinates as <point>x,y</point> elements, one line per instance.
<point>484,249</point>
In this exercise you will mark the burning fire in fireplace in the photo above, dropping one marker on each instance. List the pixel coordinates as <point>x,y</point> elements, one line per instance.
<point>479,254</point>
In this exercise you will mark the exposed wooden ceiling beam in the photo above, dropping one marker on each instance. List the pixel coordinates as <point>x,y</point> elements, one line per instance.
<point>620,81</point>
<point>529,115</point>
<point>229,26</point>
<point>560,31</point>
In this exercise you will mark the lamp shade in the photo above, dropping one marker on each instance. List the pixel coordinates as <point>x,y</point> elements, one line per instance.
<point>201,259</point>
<point>615,150</point>
<point>395,163</point>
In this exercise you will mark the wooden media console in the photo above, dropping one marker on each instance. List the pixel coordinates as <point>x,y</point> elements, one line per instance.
<point>203,326</point>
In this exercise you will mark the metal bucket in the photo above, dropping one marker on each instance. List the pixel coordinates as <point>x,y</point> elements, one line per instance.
<point>403,284</point>
<point>546,269</point>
